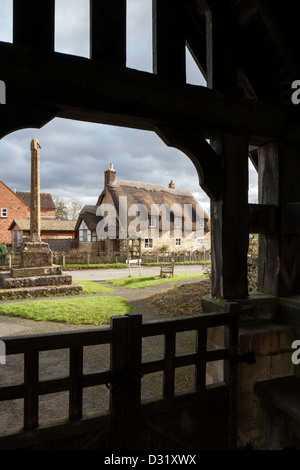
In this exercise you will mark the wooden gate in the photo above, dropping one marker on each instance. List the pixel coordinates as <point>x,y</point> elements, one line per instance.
<point>203,418</point>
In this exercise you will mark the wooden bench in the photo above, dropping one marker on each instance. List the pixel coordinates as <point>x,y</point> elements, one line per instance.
<point>134,263</point>
<point>167,268</point>
<point>280,398</point>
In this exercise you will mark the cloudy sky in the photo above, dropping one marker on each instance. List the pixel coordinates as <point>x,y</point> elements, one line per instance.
<point>74,155</point>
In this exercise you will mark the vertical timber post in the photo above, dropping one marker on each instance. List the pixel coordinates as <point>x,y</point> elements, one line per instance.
<point>33,23</point>
<point>168,40</point>
<point>230,225</point>
<point>125,404</point>
<point>279,262</point>
<point>108,31</point>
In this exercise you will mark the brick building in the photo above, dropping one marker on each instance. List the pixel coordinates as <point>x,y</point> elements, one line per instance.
<point>16,205</point>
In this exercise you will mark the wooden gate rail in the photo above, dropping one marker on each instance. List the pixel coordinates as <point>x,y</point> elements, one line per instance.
<point>124,377</point>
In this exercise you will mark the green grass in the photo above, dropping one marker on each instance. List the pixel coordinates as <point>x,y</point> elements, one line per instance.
<point>91,287</point>
<point>148,281</point>
<point>97,266</point>
<point>83,311</point>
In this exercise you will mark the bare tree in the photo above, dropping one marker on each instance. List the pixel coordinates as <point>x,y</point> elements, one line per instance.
<point>67,210</point>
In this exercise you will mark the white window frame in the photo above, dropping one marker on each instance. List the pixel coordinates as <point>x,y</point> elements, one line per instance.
<point>147,242</point>
<point>200,241</point>
<point>4,213</point>
<point>202,223</point>
<point>85,235</point>
<point>153,221</point>
<point>178,241</point>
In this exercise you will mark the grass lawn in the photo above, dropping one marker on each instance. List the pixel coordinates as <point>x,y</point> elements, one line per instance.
<point>91,287</point>
<point>140,282</point>
<point>84,311</point>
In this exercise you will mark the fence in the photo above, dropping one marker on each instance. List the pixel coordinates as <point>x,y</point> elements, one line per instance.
<point>130,423</point>
<point>117,257</point>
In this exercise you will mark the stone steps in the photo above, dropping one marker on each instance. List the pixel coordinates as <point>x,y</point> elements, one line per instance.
<point>48,280</point>
<point>40,291</point>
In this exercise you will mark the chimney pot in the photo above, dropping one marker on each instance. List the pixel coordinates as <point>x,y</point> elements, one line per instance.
<point>171,185</point>
<point>109,175</point>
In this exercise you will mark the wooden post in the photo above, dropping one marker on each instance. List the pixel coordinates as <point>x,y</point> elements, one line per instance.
<point>126,386</point>
<point>231,339</point>
<point>31,397</point>
<point>33,23</point>
<point>76,374</point>
<point>229,220</point>
<point>168,40</point>
<point>108,31</point>
<point>278,263</point>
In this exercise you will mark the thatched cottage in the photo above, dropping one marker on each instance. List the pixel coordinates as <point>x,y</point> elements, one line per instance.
<point>158,217</point>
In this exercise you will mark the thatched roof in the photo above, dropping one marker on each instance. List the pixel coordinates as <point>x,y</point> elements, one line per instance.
<point>47,225</point>
<point>149,194</point>
<point>88,215</point>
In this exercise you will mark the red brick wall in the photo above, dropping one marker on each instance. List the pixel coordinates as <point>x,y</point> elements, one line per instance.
<point>16,209</point>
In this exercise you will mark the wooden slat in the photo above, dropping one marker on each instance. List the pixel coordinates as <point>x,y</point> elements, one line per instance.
<point>108,31</point>
<point>118,368</point>
<point>52,341</point>
<point>169,373</point>
<point>31,397</point>
<point>133,393</point>
<point>168,40</point>
<point>201,359</point>
<point>76,372</point>
<point>33,23</point>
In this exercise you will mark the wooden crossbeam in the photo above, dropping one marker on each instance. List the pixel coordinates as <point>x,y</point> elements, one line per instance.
<point>98,92</point>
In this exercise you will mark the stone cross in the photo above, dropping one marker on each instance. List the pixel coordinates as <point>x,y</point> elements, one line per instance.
<point>35,206</point>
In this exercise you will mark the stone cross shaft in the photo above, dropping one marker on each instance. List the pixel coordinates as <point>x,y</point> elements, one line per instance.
<point>35,207</point>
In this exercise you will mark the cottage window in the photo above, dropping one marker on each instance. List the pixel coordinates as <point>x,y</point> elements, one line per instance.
<point>200,241</point>
<point>4,213</point>
<point>178,222</point>
<point>153,221</point>
<point>178,241</point>
<point>148,242</point>
<point>201,223</point>
<point>85,235</point>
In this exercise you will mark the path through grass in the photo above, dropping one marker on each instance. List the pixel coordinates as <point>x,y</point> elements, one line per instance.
<point>147,281</point>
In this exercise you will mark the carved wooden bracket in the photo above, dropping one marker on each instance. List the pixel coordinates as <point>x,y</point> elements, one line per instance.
<point>14,117</point>
<point>206,161</point>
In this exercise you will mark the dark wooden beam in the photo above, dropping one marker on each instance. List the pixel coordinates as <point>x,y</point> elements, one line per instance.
<point>263,218</point>
<point>33,23</point>
<point>206,161</point>
<point>230,228</point>
<point>169,40</point>
<point>94,91</point>
<point>16,117</point>
<point>278,37</point>
<point>108,31</point>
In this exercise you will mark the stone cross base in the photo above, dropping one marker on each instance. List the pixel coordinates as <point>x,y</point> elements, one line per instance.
<point>36,254</point>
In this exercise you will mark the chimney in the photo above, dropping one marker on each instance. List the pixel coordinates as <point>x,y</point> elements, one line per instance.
<point>109,175</point>
<point>171,185</point>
